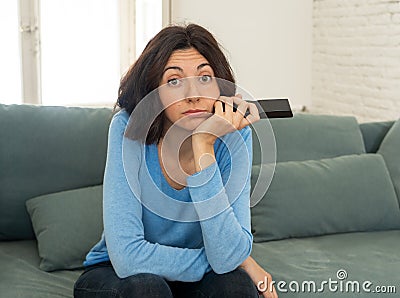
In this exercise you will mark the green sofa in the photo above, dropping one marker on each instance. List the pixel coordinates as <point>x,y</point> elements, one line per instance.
<point>329,222</point>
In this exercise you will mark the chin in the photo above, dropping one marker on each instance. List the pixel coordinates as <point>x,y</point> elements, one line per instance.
<point>190,124</point>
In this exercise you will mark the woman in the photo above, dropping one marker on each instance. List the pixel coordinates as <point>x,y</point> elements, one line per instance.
<point>185,145</point>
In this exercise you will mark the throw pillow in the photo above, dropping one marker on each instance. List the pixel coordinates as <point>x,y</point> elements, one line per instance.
<point>309,198</point>
<point>67,224</point>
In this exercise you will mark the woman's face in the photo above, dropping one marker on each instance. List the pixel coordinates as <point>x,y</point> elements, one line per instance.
<point>188,89</point>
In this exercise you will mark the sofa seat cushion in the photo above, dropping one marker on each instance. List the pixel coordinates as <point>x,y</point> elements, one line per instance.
<point>351,193</point>
<point>307,136</point>
<point>20,276</point>
<point>368,256</point>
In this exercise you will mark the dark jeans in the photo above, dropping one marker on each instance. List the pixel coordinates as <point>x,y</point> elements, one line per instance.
<point>100,280</point>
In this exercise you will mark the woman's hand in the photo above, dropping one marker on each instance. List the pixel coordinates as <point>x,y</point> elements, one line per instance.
<point>261,278</point>
<point>219,124</point>
<point>224,122</point>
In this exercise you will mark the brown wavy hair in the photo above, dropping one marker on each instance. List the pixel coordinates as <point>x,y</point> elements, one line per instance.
<point>146,73</point>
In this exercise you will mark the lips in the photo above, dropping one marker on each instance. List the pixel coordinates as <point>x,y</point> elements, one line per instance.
<point>196,112</point>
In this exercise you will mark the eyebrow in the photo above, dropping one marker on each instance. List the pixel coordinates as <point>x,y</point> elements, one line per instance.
<point>181,70</point>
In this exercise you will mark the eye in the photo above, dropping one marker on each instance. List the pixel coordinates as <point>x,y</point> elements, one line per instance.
<point>205,78</point>
<point>174,82</point>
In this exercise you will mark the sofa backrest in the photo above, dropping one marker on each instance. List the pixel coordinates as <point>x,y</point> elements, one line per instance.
<point>324,181</point>
<point>45,150</point>
<point>50,149</point>
<point>308,136</point>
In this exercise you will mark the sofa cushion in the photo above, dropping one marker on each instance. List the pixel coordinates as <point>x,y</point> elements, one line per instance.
<point>307,136</point>
<point>67,224</point>
<point>367,256</point>
<point>373,133</point>
<point>309,198</point>
<point>21,276</point>
<point>390,150</point>
<point>45,150</point>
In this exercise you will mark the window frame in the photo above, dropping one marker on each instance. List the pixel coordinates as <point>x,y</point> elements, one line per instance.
<point>29,29</point>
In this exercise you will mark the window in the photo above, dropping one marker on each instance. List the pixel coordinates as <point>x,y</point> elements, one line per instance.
<point>148,21</point>
<point>72,52</point>
<point>80,51</point>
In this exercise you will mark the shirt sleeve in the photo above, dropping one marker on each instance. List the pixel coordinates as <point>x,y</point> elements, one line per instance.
<point>225,209</point>
<point>129,252</point>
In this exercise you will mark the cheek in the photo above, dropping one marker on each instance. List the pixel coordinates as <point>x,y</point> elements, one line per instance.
<point>170,96</point>
<point>210,103</point>
<point>172,112</point>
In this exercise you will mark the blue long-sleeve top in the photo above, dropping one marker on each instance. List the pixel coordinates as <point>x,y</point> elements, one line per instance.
<point>150,227</point>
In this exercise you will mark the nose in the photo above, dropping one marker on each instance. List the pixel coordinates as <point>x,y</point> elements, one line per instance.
<point>193,99</point>
<point>192,93</point>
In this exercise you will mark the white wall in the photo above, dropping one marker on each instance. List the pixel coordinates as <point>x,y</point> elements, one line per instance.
<point>268,42</point>
<point>356,59</point>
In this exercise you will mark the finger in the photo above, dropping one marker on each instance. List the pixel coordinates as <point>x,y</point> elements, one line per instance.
<point>270,293</point>
<point>252,117</point>
<point>238,99</point>
<point>239,95</point>
<point>242,107</point>
<point>218,106</point>
<point>229,109</point>
<point>270,289</point>
<point>254,114</point>
<point>244,123</point>
<point>222,99</point>
<point>267,294</point>
<point>239,115</point>
<point>275,294</point>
